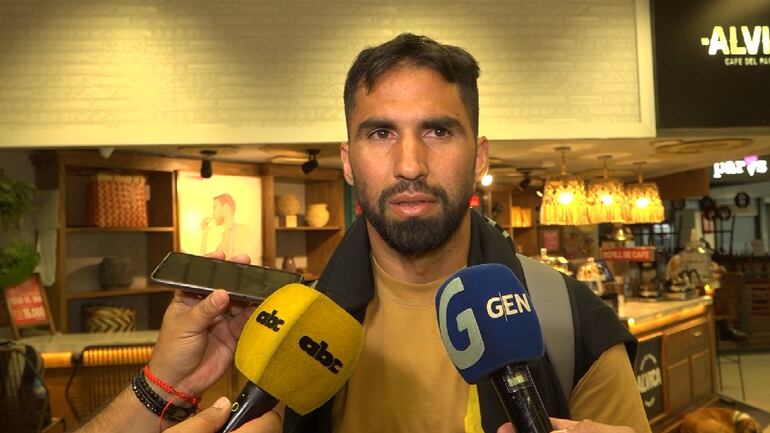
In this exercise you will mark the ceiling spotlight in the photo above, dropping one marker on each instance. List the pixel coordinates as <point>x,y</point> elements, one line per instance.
<point>524,183</point>
<point>206,171</point>
<point>311,163</point>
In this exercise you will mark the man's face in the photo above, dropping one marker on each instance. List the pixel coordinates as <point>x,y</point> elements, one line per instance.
<point>218,213</point>
<point>413,158</point>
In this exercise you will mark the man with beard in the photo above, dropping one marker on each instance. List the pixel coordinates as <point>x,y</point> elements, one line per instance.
<point>413,155</point>
<point>235,237</point>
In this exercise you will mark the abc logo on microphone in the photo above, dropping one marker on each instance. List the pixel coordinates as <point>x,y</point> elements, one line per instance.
<point>299,346</point>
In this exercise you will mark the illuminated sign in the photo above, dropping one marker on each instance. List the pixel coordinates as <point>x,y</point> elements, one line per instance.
<point>740,42</point>
<point>750,165</point>
<point>628,254</point>
<point>712,59</point>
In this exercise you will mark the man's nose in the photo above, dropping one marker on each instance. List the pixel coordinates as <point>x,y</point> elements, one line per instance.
<point>410,158</point>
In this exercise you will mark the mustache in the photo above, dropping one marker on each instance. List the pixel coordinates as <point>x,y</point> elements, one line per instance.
<point>419,185</point>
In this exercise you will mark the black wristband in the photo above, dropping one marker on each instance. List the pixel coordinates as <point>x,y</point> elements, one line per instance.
<point>156,404</point>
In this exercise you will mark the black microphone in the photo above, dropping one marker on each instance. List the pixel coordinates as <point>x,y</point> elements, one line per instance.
<point>489,329</point>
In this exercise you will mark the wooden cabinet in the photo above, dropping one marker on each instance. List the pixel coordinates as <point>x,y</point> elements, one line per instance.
<point>499,200</point>
<point>685,358</point>
<point>689,364</point>
<point>310,246</point>
<point>81,247</point>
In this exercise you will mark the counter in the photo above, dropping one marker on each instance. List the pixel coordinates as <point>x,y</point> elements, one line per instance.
<point>675,365</point>
<point>59,350</point>
<point>640,316</point>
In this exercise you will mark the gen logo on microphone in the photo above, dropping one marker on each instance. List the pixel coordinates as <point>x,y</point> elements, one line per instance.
<point>508,305</point>
<point>270,320</point>
<point>464,321</point>
<point>319,353</point>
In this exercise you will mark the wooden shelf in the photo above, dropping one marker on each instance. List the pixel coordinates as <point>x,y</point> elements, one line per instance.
<point>120,229</point>
<point>309,229</point>
<point>118,292</point>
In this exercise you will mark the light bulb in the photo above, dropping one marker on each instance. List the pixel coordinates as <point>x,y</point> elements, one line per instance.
<point>486,180</point>
<point>642,202</point>
<point>566,198</point>
<point>607,199</point>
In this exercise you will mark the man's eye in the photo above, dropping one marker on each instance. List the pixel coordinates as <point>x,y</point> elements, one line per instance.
<point>381,134</point>
<point>439,132</point>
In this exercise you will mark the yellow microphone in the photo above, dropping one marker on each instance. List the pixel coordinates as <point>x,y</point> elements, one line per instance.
<point>298,347</point>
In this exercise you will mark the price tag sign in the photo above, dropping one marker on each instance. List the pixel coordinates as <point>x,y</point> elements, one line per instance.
<point>26,304</point>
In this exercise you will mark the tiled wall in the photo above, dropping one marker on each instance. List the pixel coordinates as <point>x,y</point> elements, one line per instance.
<point>238,71</point>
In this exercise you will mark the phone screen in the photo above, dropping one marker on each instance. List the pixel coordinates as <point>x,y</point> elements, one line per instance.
<point>203,274</point>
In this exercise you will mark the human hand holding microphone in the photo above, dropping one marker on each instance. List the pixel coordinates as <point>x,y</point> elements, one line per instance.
<point>298,347</point>
<point>490,330</point>
<point>198,342</point>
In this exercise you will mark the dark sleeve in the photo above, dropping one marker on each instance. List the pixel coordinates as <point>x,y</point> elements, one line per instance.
<point>597,328</point>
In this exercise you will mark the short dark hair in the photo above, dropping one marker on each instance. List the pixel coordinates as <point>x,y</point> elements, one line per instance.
<point>226,199</point>
<point>454,63</point>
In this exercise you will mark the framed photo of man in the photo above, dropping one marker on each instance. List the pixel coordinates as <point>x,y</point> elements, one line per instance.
<point>222,213</point>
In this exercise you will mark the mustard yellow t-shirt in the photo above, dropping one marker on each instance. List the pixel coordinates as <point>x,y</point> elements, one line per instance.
<point>404,380</point>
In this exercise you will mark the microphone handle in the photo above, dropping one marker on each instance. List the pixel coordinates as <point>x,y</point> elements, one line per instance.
<point>252,403</point>
<point>520,399</point>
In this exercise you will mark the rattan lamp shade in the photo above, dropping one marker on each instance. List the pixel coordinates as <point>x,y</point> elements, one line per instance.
<point>564,198</point>
<point>644,203</point>
<point>606,199</point>
<point>606,202</point>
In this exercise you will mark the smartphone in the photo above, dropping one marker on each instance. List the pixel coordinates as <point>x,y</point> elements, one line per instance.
<point>198,274</point>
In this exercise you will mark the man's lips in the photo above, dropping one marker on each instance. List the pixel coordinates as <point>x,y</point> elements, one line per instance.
<point>411,198</point>
<point>412,205</point>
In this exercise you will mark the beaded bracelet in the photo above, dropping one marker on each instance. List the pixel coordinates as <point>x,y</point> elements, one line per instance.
<point>156,404</point>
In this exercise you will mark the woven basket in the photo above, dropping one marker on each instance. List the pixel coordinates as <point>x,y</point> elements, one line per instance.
<point>117,201</point>
<point>108,318</point>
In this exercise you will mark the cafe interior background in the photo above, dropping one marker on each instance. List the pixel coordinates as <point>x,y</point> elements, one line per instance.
<point>669,99</point>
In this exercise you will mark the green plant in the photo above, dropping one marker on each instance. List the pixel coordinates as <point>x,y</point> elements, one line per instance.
<point>15,201</point>
<point>19,259</point>
<point>17,262</point>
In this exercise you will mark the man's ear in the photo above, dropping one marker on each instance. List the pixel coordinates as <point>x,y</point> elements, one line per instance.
<point>347,170</point>
<point>482,158</point>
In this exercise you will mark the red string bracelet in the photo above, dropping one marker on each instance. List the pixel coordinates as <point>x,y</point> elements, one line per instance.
<point>163,412</point>
<point>194,400</point>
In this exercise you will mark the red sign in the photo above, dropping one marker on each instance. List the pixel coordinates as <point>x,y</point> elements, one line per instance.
<point>629,254</point>
<point>25,303</point>
<point>551,239</point>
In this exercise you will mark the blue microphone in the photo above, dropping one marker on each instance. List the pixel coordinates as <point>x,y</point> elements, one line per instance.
<point>489,329</point>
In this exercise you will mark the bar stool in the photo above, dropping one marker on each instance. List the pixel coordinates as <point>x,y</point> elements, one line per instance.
<point>725,332</point>
<point>101,372</point>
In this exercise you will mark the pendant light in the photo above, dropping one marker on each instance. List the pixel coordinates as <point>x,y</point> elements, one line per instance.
<point>606,198</point>
<point>564,198</point>
<point>644,204</point>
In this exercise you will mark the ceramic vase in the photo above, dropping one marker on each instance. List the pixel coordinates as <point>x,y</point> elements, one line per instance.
<point>286,204</point>
<point>317,215</point>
